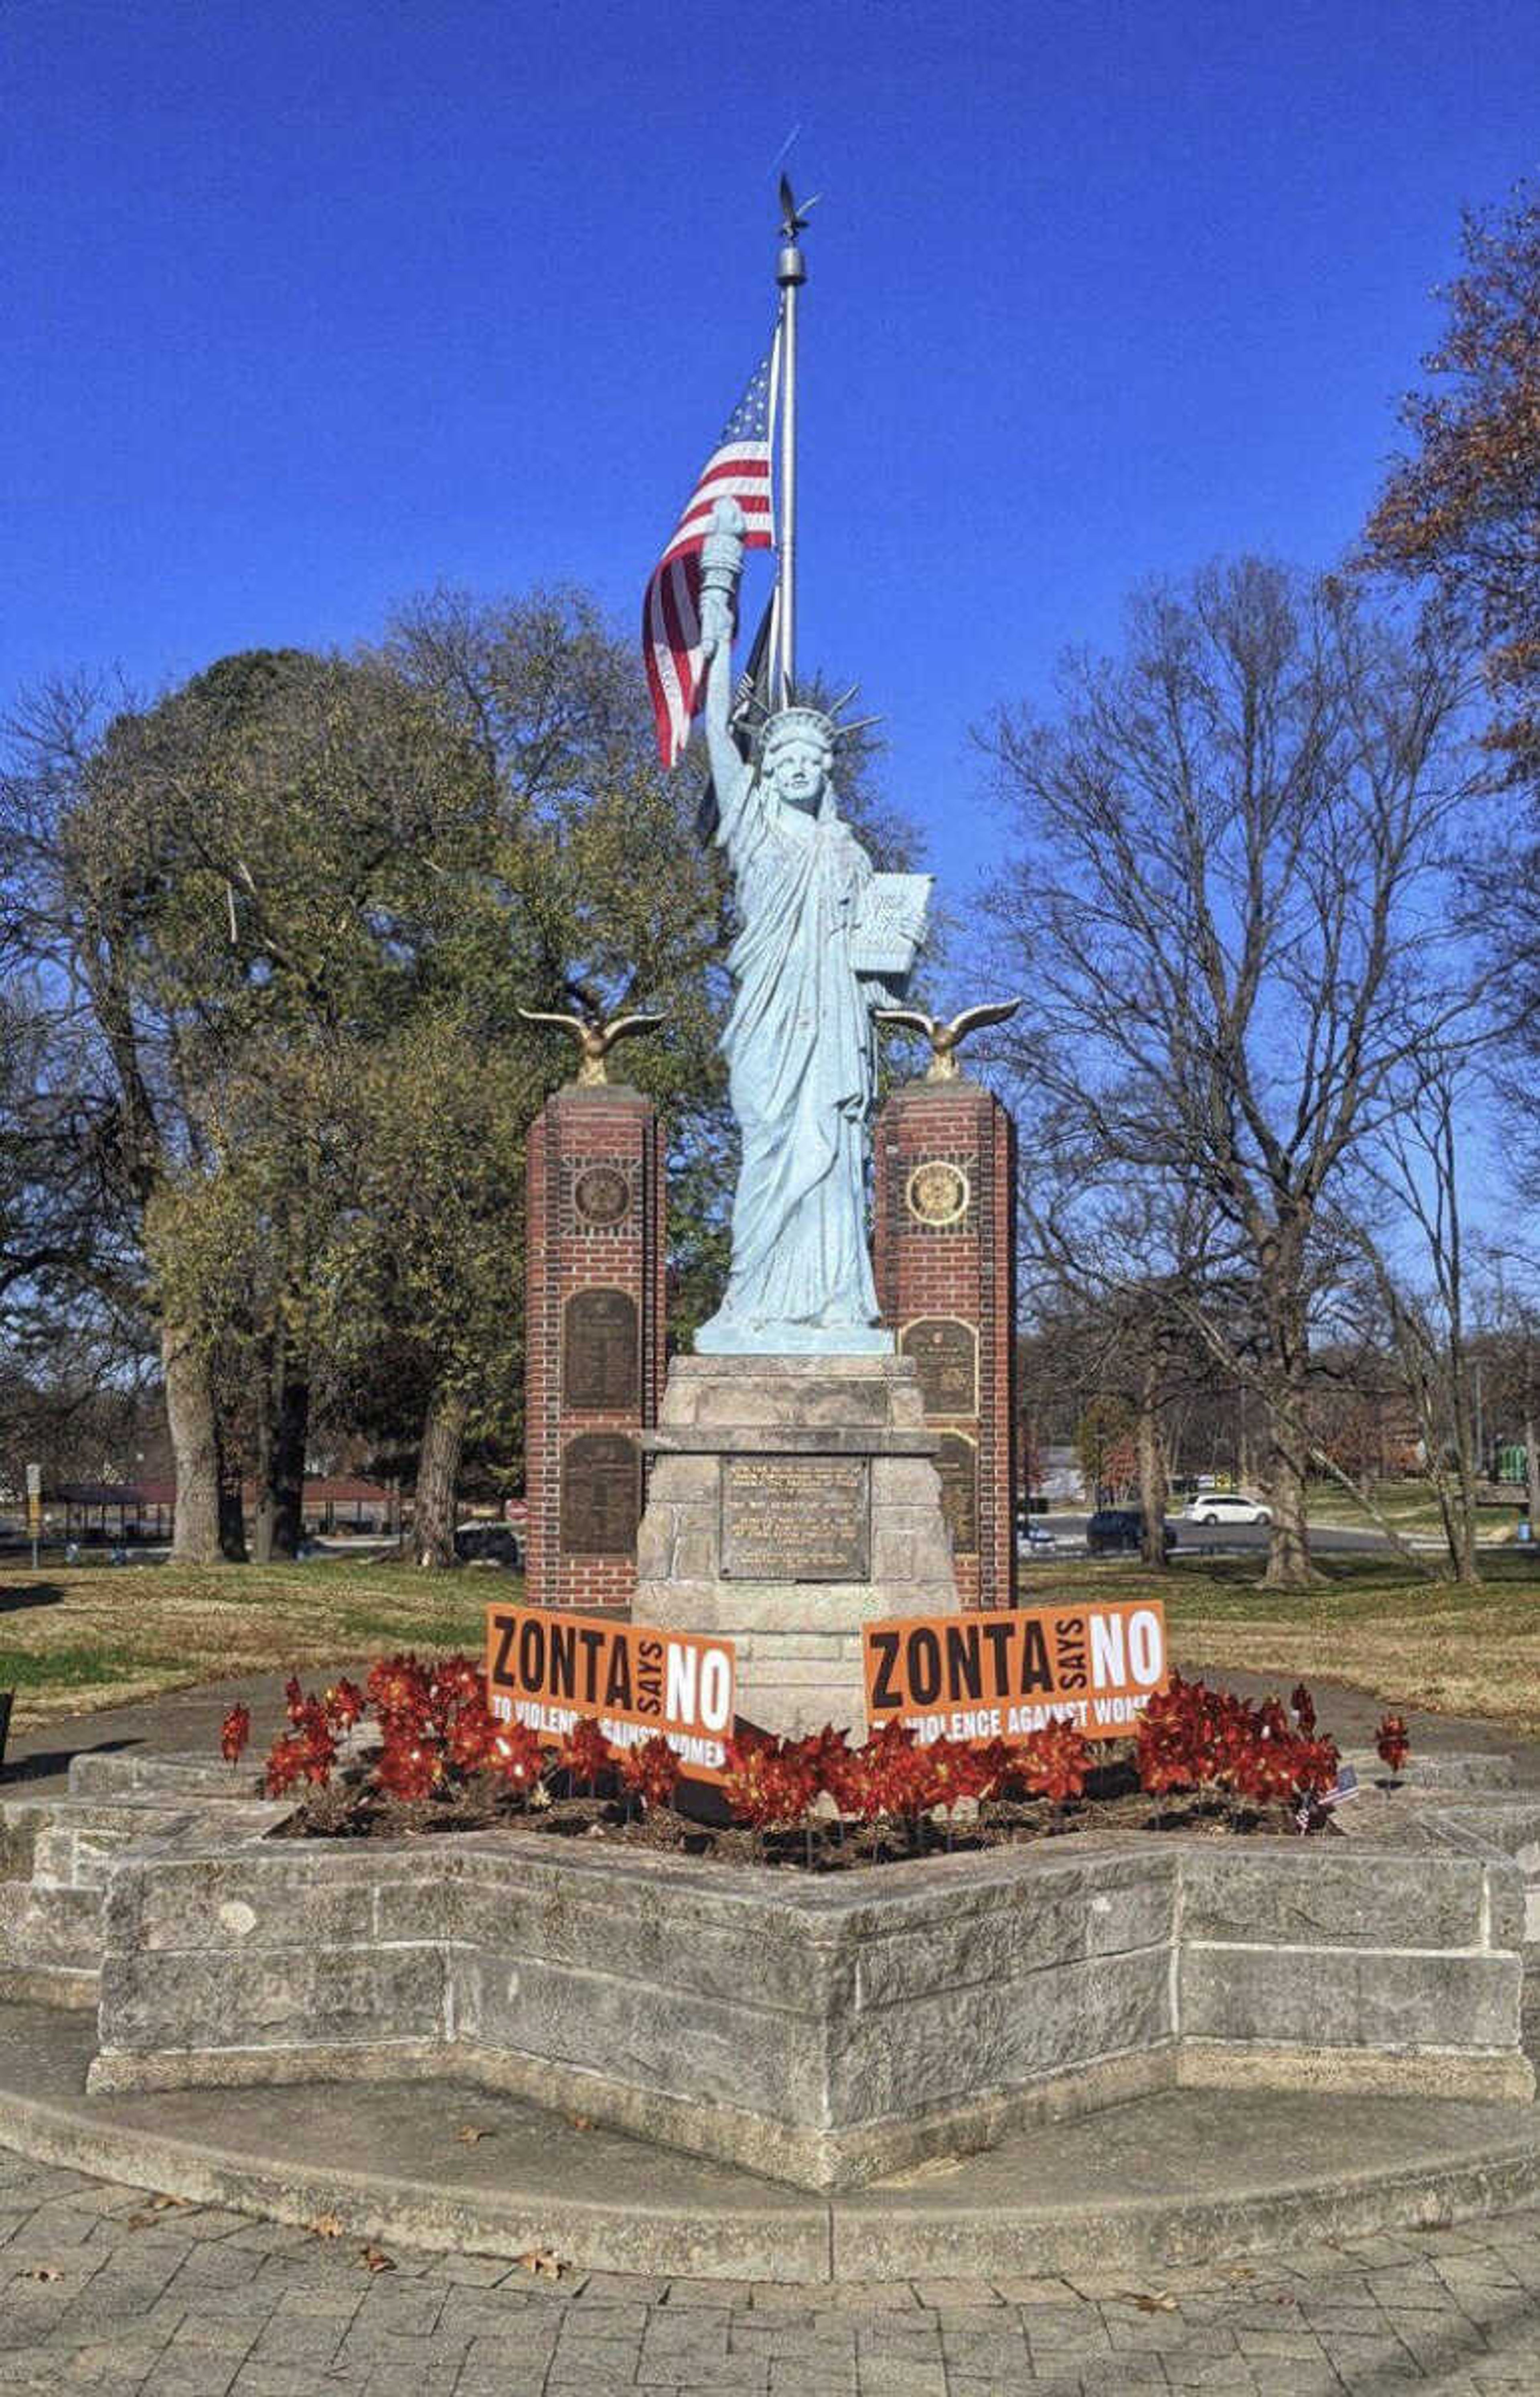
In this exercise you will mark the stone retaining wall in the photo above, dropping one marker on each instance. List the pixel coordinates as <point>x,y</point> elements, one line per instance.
<point>822,2032</point>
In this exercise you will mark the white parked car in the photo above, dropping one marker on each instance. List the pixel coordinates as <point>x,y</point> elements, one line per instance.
<point>1219,1506</point>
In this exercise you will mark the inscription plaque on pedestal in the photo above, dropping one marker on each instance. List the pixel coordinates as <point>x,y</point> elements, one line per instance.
<point>945,1350</point>
<point>796,1518</point>
<point>601,1360</point>
<point>956,1462</point>
<point>600,1494</point>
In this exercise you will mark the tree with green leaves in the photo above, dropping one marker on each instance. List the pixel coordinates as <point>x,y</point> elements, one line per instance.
<point>219,896</point>
<point>287,916</point>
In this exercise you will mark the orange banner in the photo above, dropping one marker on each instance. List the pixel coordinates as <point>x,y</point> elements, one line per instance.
<point>546,1668</point>
<point>1004,1673</point>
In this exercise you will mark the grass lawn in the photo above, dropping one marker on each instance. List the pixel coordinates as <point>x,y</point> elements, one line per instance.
<point>71,1639</point>
<point>1408,1505</point>
<point>76,1637</point>
<point>1367,1621</point>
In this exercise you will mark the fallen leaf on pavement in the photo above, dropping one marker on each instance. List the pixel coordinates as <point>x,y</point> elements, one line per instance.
<point>1161,2303</point>
<point>328,2226</point>
<point>43,2272</point>
<point>375,2259</point>
<point>579,2121</point>
<point>544,2262</point>
<point>469,2133</point>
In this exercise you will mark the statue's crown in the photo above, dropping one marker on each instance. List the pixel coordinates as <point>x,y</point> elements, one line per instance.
<point>789,723</point>
<point>767,726</point>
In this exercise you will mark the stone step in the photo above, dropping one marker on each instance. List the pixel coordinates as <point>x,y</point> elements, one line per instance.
<point>56,1854</point>
<point>78,1843</point>
<point>73,1989</point>
<point>1450,1769</point>
<point>19,1824</point>
<point>1160,2181</point>
<point>194,1775</point>
<point>47,1927</point>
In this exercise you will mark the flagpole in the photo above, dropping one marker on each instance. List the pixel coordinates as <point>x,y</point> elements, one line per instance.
<point>790,274</point>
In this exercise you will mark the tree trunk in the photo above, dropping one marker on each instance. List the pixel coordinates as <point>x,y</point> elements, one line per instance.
<point>1245,1463</point>
<point>284,1425</point>
<point>1152,1469</point>
<point>437,1473</point>
<point>1288,1565</point>
<point>232,1546</point>
<point>1532,1472</point>
<point>1464,1546</point>
<point>194,1428</point>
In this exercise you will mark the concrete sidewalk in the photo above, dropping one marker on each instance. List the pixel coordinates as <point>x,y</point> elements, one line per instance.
<point>102,2288</point>
<point>37,1760</point>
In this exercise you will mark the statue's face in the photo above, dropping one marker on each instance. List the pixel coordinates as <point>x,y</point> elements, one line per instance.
<point>797,769</point>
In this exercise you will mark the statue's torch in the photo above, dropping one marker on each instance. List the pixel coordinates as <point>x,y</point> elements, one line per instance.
<point>721,565</point>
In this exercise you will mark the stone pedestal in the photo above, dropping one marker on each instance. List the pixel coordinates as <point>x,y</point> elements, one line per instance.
<point>792,1500</point>
<point>944,1252</point>
<point>594,1337</point>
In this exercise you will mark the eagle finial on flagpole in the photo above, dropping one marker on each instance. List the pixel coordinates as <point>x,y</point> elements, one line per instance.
<point>794,219</point>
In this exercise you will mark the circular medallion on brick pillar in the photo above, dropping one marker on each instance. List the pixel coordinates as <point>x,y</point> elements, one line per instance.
<point>594,1336</point>
<point>945,1258</point>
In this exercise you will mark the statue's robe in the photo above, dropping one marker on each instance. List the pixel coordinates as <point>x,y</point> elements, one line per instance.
<point>801,1060</point>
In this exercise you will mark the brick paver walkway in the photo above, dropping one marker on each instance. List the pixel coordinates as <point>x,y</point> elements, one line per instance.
<point>104,2288</point>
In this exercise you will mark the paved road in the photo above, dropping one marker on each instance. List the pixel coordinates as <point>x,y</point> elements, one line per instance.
<point>1069,1529</point>
<point>102,2289</point>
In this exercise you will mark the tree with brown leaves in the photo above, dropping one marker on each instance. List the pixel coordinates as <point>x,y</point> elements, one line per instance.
<point>1463,506</point>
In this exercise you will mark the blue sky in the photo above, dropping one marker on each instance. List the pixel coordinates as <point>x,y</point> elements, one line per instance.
<point>310,307</point>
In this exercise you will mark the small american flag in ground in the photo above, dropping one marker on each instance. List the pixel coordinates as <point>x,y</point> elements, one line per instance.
<point>1345,1787</point>
<point>738,468</point>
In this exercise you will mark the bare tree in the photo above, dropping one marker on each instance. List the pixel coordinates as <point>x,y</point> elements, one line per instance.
<point>1119,1268</point>
<point>1221,900</point>
<point>1511,1351</point>
<point>1420,1265</point>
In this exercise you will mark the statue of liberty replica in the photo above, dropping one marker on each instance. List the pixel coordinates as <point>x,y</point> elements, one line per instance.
<point>825,940</point>
<point>793,1493</point>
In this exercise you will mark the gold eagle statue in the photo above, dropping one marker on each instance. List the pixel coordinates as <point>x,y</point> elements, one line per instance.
<point>595,1038</point>
<point>945,1039</point>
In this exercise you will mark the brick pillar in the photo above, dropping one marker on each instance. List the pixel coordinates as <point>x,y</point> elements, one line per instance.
<point>595,1327</point>
<point>945,1260</point>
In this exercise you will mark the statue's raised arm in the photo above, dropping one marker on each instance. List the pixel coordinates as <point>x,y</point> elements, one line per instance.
<point>721,566</point>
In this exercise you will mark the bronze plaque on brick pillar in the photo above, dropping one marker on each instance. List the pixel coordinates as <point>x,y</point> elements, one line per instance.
<point>945,1351</point>
<point>958,1464</point>
<point>600,1352</point>
<point>796,1518</point>
<point>601,1489</point>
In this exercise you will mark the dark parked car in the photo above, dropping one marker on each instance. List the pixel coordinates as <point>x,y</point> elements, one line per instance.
<point>1112,1528</point>
<point>489,1544</point>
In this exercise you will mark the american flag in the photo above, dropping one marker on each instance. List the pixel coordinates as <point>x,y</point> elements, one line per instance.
<point>738,468</point>
<point>1313,1802</point>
